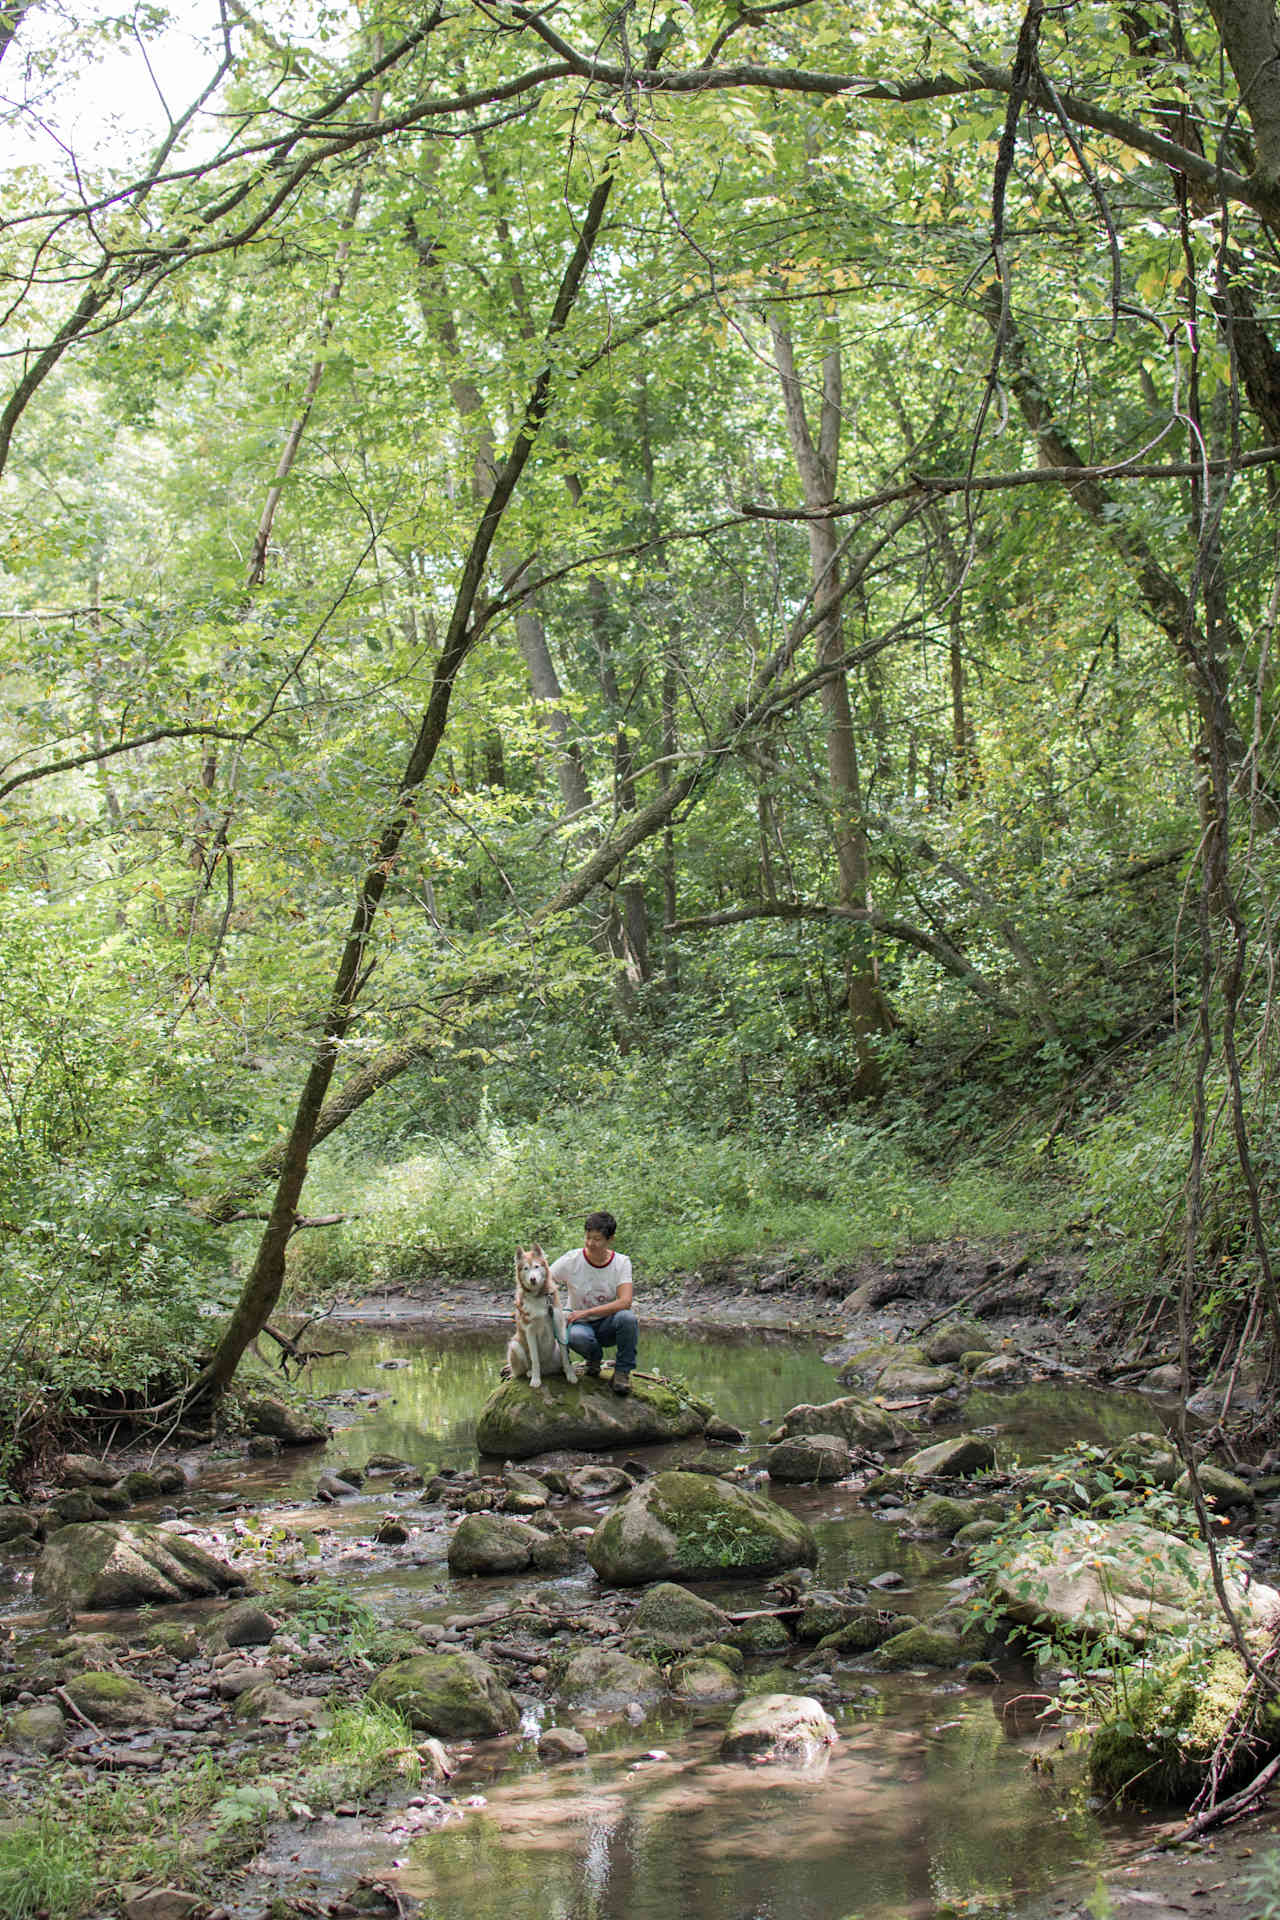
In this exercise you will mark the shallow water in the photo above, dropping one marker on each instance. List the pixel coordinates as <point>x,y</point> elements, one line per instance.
<point>929,1805</point>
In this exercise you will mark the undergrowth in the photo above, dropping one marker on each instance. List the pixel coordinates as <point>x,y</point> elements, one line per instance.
<point>684,1197</point>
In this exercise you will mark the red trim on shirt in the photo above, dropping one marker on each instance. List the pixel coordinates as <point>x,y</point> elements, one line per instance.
<point>599,1266</point>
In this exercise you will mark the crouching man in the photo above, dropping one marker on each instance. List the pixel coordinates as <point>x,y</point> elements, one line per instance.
<point>596,1282</point>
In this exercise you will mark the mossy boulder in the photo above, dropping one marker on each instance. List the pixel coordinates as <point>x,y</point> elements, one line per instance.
<point>1220,1488</point>
<point>915,1382</point>
<point>857,1421</point>
<point>823,1613</point>
<point>864,1368</point>
<point>1098,1577</point>
<point>921,1646</point>
<point>691,1526</point>
<point>37,1729</point>
<point>808,1458</point>
<point>763,1635</point>
<point>456,1696</point>
<point>113,1700</point>
<point>282,1420</point>
<point>1167,1729</point>
<point>700,1678</point>
<point>113,1563</point>
<point>782,1728</point>
<point>869,1627</point>
<point>939,1513</point>
<point>492,1543</point>
<point>603,1677</point>
<point>956,1459</point>
<point>952,1340</point>
<point>674,1620</point>
<point>518,1420</point>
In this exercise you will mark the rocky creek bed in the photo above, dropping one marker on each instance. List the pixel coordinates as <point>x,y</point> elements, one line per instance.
<point>417,1675</point>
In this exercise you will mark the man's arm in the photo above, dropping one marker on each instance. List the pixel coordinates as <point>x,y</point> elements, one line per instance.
<point>621,1300</point>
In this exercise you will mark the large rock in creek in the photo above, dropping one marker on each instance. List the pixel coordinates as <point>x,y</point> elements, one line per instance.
<point>786,1728</point>
<point>858,1422</point>
<point>692,1526</point>
<point>1120,1577</point>
<point>492,1543</point>
<point>456,1696</point>
<point>954,1459</point>
<point>114,1700</point>
<point>517,1421</point>
<point>671,1619</point>
<point>807,1458</point>
<point>602,1677</point>
<point>111,1563</point>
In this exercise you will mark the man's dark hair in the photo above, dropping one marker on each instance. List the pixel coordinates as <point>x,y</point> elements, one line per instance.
<point>600,1223</point>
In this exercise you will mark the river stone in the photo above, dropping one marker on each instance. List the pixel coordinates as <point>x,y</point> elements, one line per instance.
<point>1147,1458</point>
<point>823,1613</point>
<point>518,1420</point>
<point>558,1552</point>
<point>113,1700</point>
<point>1001,1366</point>
<point>151,1483</point>
<point>807,1458</point>
<point>456,1696</point>
<point>18,1527</point>
<point>1120,1577</point>
<point>165,1903</point>
<point>671,1617</point>
<point>938,1513</point>
<point>693,1526</point>
<point>84,1470</point>
<point>857,1421</point>
<point>952,1340</point>
<point>921,1646</point>
<point>492,1543</point>
<point>1220,1488</point>
<point>1165,1379</point>
<point>700,1678</point>
<point>115,1563</point>
<point>266,1413</point>
<point>954,1459</point>
<point>765,1634</point>
<point>598,1482</point>
<point>865,1366</point>
<point>243,1624</point>
<point>786,1728</point>
<point>270,1705</point>
<point>37,1729</point>
<point>601,1677</point>
<point>869,1627</point>
<point>77,1506</point>
<point>561,1743</point>
<point>915,1381</point>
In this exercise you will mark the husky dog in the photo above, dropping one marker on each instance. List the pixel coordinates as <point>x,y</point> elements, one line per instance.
<point>540,1342</point>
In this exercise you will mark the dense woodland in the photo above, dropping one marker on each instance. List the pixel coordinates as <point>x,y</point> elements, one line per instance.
<point>666,605</point>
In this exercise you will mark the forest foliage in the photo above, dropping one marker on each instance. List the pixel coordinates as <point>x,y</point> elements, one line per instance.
<point>685,588</point>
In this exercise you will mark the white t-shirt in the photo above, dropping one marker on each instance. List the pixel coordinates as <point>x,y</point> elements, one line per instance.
<point>588,1286</point>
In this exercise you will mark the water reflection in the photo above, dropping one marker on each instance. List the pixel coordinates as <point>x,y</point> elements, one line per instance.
<point>904,1816</point>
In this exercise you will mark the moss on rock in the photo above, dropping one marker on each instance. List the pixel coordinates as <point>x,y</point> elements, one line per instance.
<point>1165,1729</point>
<point>456,1696</point>
<point>691,1525</point>
<point>518,1420</point>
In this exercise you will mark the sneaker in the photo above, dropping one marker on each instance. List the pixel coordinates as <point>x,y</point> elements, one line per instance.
<point>621,1381</point>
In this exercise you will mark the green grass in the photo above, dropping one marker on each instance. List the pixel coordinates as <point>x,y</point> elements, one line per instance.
<point>47,1866</point>
<point>684,1197</point>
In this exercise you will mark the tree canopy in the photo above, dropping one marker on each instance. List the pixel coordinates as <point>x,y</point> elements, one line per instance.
<point>738,533</point>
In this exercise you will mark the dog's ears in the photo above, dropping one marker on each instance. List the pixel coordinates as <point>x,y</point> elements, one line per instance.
<point>537,1253</point>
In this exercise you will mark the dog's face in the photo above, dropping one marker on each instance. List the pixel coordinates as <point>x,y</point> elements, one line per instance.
<point>533,1276</point>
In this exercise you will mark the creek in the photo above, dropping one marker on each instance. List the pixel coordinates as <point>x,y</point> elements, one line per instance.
<point>939,1799</point>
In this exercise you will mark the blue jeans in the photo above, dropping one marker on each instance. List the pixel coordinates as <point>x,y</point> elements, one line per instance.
<point>621,1330</point>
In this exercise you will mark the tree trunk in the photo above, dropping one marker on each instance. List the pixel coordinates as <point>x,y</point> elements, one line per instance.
<point>817,466</point>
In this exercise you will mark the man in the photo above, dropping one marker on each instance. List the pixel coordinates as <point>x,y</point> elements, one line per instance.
<point>596,1281</point>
